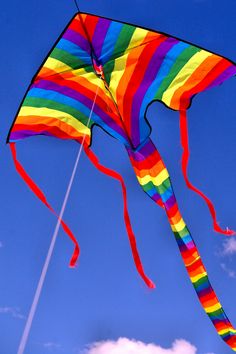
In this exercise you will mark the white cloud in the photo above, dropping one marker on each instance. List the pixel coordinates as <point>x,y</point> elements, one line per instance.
<point>128,346</point>
<point>229,247</point>
<point>13,311</point>
<point>231,273</point>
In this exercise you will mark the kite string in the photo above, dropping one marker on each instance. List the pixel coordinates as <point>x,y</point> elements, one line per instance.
<point>33,308</point>
<point>76,4</point>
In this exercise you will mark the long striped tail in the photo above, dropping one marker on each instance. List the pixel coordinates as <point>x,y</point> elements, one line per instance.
<point>155,181</point>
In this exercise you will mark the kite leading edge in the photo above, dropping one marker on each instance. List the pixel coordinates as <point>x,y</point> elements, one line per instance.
<point>129,67</point>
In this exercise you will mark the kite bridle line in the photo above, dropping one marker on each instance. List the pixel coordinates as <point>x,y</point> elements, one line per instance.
<point>33,308</point>
<point>94,57</point>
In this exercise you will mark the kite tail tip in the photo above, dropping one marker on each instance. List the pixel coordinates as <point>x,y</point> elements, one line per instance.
<point>74,258</point>
<point>152,285</point>
<point>149,283</point>
<point>227,231</point>
<point>230,232</point>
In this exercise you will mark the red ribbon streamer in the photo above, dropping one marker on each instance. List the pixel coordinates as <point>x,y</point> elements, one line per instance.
<point>185,160</point>
<point>93,158</point>
<point>37,191</point>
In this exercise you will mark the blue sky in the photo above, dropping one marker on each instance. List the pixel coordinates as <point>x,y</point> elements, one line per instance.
<point>104,299</point>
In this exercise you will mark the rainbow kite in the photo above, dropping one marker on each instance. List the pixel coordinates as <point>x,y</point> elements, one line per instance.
<point>117,70</point>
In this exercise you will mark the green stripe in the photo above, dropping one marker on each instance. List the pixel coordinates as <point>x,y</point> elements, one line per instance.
<point>160,189</point>
<point>121,45</point>
<point>201,281</point>
<point>216,314</point>
<point>180,234</point>
<point>45,103</point>
<point>180,62</point>
<point>69,59</point>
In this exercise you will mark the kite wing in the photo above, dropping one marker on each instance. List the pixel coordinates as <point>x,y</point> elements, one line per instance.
<point>126,68</point>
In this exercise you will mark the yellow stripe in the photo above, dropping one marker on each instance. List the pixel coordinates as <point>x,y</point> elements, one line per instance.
<point>47,112</point>
<point>137,38</point>
<point>56,65</point>
<point>197,277</point>
<point>120,63</point>
<point>117,73</point>
<point>179,226</point>
<point>157,181</point>
<point>224,331</point>
<point>184,75</point>
<point>213,308</point>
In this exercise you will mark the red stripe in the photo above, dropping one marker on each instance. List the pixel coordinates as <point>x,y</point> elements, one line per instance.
<point>185,159</point>
<point>130,233</point>
<point>40,129</point>
<point>208,297</point>
<point>77,27</point>
<point>146,163</point>
<point>105,104</point>
<point>38,193</point>
<point>212,75</point>
<point>137,78</point>
<point>90,23</point>
<point>193,267</point>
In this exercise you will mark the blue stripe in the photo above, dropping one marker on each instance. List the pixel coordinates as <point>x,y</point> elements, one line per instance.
<point>110,41</point>
<point>74,50</point>
<point>166,66</point>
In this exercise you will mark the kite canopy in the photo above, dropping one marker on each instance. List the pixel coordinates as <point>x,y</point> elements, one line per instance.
<point>137,66</point>
<point>119,70</point>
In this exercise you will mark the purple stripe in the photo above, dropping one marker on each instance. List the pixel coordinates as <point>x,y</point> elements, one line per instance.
<point>144,152</point>
<point>100,35</point>
<point>170,202</point>
<point>148,148</point>
<point>107,120</point>
<point>77,39</point>
<point>156,197</point>
<point>22,134</point>
<point>206,291</point>
<point>226,321</point>
<point>149,77</point>
<point>229,72</point>
<point>186,247</point>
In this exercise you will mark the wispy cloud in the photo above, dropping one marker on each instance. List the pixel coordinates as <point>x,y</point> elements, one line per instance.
<point>131,346</point>
<point>13,311</point>
<point>51,346</point>
<point>1,244</point>
<point>229,247</point>
<point>231,273</point>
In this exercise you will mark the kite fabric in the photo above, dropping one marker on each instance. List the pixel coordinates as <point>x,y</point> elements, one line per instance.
<point>129,67</point>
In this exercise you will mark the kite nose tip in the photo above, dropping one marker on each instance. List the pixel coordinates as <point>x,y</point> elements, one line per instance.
<point>98,68</point>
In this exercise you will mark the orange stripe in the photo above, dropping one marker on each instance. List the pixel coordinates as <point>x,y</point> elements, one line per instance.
<point>136,79</point>
<point>197,76</point>
<point>128,71</point>
<point>217,71</point>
